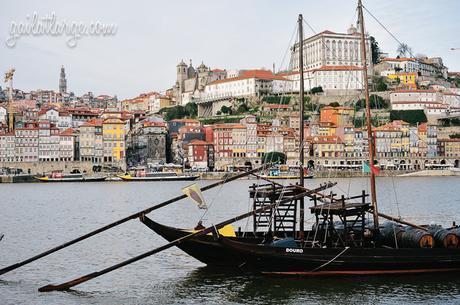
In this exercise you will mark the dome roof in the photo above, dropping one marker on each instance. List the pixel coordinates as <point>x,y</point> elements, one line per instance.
<point>182,63</point>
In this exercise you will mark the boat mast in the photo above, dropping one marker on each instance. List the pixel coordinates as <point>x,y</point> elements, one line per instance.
<point>368,116</point>
<point>301,113</point>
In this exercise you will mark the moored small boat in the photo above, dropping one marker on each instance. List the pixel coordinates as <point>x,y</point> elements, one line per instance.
<point>72,177</point>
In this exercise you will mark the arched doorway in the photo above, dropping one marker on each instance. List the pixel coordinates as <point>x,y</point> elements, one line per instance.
<point>311,164</point>
<point>457,163</point>
<point>402,165</point>
<point>248,165</point>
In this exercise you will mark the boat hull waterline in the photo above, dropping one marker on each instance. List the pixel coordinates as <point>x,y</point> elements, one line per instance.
<point>343,261</point>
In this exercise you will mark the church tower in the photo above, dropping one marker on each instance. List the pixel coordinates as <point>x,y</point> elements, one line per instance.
<point>181,76</point>
<point>62,81</point>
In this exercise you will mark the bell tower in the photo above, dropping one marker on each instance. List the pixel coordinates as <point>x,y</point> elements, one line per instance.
<point>62,81</point>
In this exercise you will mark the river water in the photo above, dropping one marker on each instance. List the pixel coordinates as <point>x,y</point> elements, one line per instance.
<point>35,217</point>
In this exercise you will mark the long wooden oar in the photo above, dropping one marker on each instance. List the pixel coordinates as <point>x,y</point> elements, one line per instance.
<point>69,284</point>
<point>123,220</point>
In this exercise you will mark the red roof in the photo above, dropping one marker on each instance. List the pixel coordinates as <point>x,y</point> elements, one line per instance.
<point>92,122</point>
<point>67,132</point>
<point>198,142</point>
<point>257,74</point>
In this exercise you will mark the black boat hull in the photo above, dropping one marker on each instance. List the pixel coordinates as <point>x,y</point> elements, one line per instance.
<point>343,261</point>
<point>205,248</point>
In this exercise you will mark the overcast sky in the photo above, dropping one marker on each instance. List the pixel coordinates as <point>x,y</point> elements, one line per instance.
<point>153,36</point>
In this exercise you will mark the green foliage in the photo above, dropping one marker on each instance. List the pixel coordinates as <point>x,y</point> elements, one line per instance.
<point>274,156</point>
<point>191,109</point>
<point>315,90</point>
<point>226,110</point>
<point>375,50</point>
<point>334,104</point>
<point>226,119</point>
<point>179,112</point>
<point>455,136</point>
<point>380,85</point>
<point>276,99</point>
<point>242,108</point>
<point>376,102</point>
<point>450,122</point>
<point>410,116</point>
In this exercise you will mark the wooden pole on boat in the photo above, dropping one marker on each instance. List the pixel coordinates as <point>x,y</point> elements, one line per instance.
<point>90,276</point>
<point>368,116</point>
<point>301,131</point>
<point>121,221</point>
<point>398,220</point>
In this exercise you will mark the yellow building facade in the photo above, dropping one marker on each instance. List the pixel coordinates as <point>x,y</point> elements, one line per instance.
<point>113,134</point>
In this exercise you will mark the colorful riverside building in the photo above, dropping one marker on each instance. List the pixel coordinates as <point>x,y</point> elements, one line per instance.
<point>449,148</point>
<point>407,79</point>
<point>91,143</point>
<point>113,135</point>
<point>339,116</point>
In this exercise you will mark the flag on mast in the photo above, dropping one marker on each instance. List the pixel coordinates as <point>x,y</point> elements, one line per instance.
<point>367,169</point>
<point>193,192</point>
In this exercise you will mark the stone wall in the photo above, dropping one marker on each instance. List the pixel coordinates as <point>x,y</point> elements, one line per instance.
<point>46,167</point>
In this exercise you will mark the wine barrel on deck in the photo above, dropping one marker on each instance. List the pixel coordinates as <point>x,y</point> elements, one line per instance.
<point>416,238</point>
<point>405,237</point>
<point>443,238</point>
<point>390,234</point>
<point>456,231</point>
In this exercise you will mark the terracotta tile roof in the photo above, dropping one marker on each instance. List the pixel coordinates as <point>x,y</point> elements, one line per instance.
<point>257,74</point>
<point>228,126</point>
<point>67,132</point>
<point>92,122</point>
<point>185,120</point>
<point>199,142</point>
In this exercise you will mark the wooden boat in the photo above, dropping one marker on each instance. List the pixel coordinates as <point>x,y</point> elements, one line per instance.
<point>353,248</point>
<point>72,177</point>
<point>206,248</point>
<point>315,261</point>
<point>159,176</point>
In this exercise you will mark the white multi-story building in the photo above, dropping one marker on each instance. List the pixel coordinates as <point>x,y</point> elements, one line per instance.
<point>48,142</point>
<point>66,145</point>
<point>7,147</point>
<point>251,135</point>
<point>249,83</point>
<point>26,144</point>
<point>416,96</point>
<point>331,49</point>
<point>429,67</point>
<point>330,78</point>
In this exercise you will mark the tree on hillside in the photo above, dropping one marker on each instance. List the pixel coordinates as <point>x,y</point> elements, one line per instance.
<point>375,51</point>
<point>334,104</point>
<point>410,116</point>
<point>315,90</point>
<point>375,102</point>
<point>404,50</point>
<point>226,110</point>
<point>380,85</point>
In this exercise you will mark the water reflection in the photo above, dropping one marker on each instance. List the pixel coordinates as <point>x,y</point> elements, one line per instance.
<point>208,284</point>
